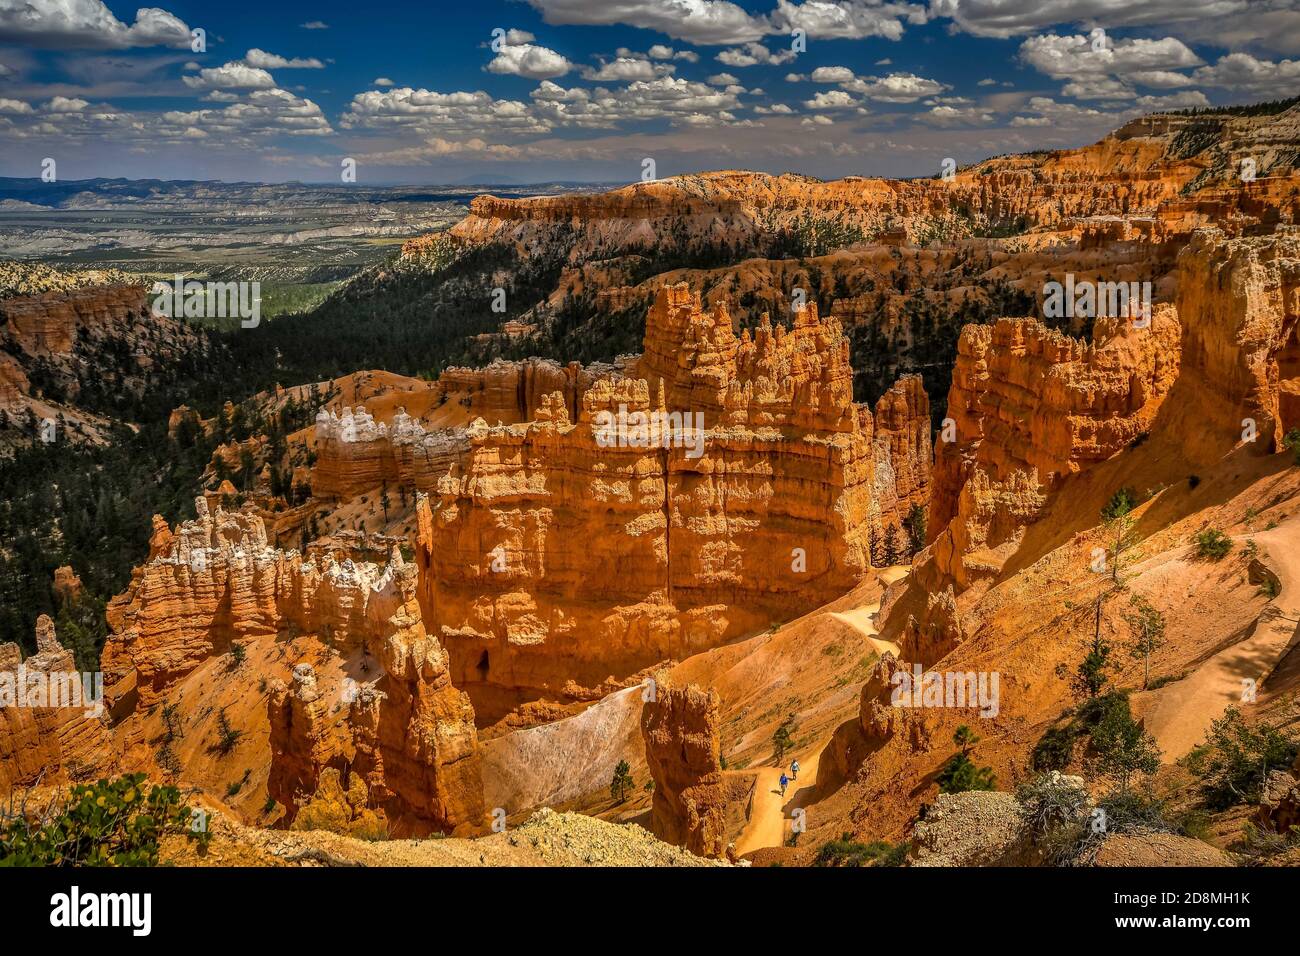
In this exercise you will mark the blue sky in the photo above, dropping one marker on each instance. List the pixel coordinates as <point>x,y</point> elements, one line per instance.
<point>587,90</point>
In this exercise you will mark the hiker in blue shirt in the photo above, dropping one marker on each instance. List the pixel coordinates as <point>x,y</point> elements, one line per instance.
<point>785,782</point>
<point>794,770</point>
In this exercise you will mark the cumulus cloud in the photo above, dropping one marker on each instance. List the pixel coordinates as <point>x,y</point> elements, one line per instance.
<point>847,19</point>
<point>895,88</point>
<point>830,100</point>
<point>710,22</point>
<point>529,60</point>
<point>14,106</point>
<point>1241,71</point>
<point>753,54</point>
<point>441,113</point>
<point>624,69</point>
<point>231,76</point>
<point>271,61</point>
<point>1007,18</point>
<point>87,24</point>
<point>1095,54</point>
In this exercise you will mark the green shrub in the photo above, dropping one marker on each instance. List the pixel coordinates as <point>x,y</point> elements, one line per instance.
<point>1212,545</point>
<point>847,851</point>
<point>1236,758</point>
<point>960,775</point>
<point>1120,504</point>
<point>1291,442</point>
<point>108,823</point>
<point>1054,749</point>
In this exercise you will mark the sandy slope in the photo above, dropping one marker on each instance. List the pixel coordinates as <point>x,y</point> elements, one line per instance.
<point>1183,712</point>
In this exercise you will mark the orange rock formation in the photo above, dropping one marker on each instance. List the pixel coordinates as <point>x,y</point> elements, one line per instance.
<point>560,555</point>
<point>680,727</point>
<point>51,730</point>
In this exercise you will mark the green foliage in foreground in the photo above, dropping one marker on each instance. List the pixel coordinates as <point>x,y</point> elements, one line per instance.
<point>108,823</point>
<point>847,851</point>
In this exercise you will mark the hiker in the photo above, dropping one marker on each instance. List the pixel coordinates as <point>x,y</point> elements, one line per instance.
<point>785,782</point>
<point>794,770</point>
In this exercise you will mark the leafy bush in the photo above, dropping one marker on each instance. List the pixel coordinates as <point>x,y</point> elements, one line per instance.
<point>1055,749</point>
<point>1212,545</point>
<point>108,823</point>
<point>1236,758</point>
<point>1120,504</point>
<point>960,774</point>
<point>847,851</point>
<point>1291,442</point>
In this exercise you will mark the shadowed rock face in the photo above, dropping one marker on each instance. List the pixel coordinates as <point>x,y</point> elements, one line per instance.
<point>409,734</point>
<point>48,734</point>
<point>680,727</point>
<point>559,556</point>
<point>214,581</point>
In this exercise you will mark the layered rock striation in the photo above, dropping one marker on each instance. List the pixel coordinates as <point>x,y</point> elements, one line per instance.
<point>714,489</point>
<point>680,727</point>
<point>52,727</point>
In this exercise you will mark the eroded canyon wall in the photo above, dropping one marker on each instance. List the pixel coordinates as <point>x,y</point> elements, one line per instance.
<point>564,554</point>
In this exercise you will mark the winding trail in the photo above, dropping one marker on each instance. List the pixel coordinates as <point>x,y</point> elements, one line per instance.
<point>1183,712</point>
<point>770,813</point>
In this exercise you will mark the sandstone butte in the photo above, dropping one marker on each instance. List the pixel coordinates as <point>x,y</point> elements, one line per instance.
<point>1137,178</point>
<point>552,565</point>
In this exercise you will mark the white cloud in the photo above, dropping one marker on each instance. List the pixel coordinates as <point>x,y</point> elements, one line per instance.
<point>723,79</point>
<point>1006,18</point>
<point>753,54</point>
<point>847,19</point>
<point>1161,79</point>
<point>1073,56</point>
<point>830,100</point>
<point>14,106</point>
<point>895,88</point>
<point>231,76</point>
<point>662,52</point>
<point>87,24</point>
<point>1241,71</point>
<point>382,81</point>
<point>528,60</point>
<point>710,22</point>
<point>62,104</point>
<point>832,74</point>
<point>271,61</point>
<point>315,25</point>
<point>627,68</point>
<point>818,120</point>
